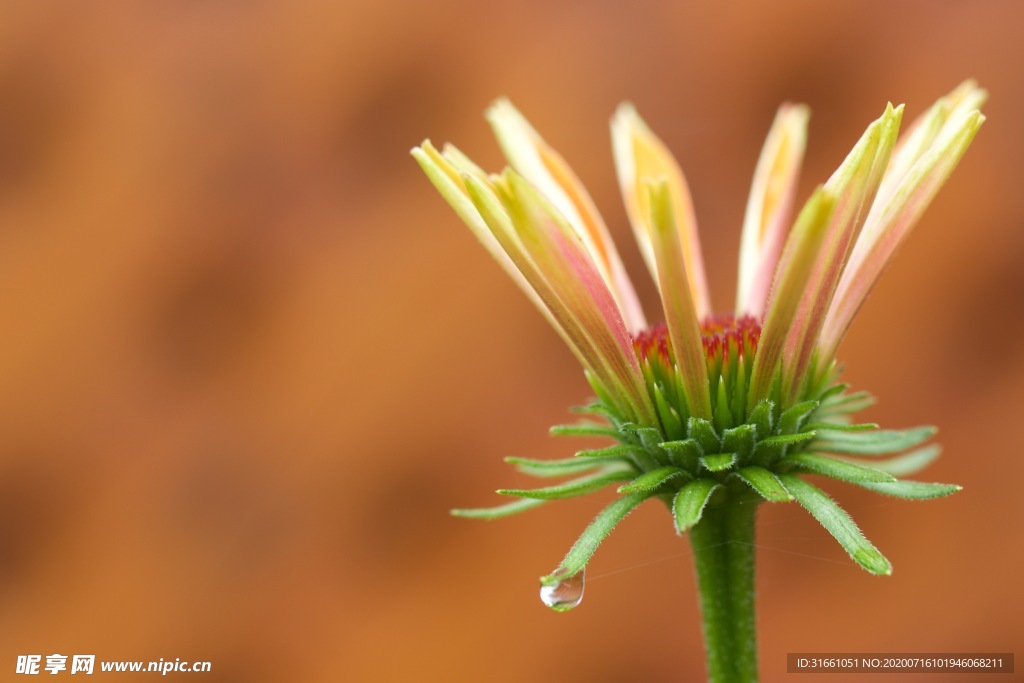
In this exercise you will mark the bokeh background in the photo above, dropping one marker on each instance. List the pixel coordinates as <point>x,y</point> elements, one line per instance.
<point>249,359</point>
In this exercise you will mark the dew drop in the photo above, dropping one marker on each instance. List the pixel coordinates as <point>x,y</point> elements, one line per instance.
<point>566,594</point>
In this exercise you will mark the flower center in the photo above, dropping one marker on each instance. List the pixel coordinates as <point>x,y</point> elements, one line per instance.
<point>725,337</point>
<point>729,344</point>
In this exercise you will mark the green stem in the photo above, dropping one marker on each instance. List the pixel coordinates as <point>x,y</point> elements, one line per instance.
<point>723,549</point>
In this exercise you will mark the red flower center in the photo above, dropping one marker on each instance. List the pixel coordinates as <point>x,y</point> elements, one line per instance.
<point>724,337</point>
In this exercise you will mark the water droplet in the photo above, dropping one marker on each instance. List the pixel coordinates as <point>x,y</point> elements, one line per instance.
<point>565,594</point>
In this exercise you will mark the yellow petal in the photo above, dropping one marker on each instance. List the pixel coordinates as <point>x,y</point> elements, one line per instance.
<point>640,155</point>
<point>453,175</point>
<point>769,209</point>
<point>536,161</point>
<point>854,185</point>
<point>891,219</point>
<point>680,314</point>
<point>552,259</point>
<point>801,252</point>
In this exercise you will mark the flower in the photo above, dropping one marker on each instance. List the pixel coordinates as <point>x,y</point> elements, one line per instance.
<point>705,408</point>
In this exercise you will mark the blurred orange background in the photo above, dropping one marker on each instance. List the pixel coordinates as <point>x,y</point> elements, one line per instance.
<point>250,359</point>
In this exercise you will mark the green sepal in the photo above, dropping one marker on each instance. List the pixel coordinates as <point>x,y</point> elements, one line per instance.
<point>648,436</point>
<point>836,469</point>
<point>649,481</point>
<point>617,451</point>
<point>739,393</point>
<point>775,389</point>
<point>908,463</point>
<point>761,417</point>
<point>570,489</point>
<point>847,403</point>
<point>704,434</point>
<point>838,523</point>
<point>688,505</point>
<point>740,441</point>
<point>584,547</point>
<point>718,462</point>
<point>505,510</point>
<point>881,442</point>
<point>722,414</point>
<point>786,439</point>
<point>793,418</point>
<point>596,408</point>
<point>637,454</point>
<point>584,429</point>
<point>914,490</point>
<point>683,454</point>
<point>670,420</point>
<point>839,427</point>
<point>603,395</point>
<point>819,381</point>
<point>765,483</point>
<point>770,450</point>
<point>558,468</point>
<point>832,391</point>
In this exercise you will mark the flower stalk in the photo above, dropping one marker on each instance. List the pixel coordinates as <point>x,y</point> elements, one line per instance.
<point>723,553</point>
<point>713,414</point>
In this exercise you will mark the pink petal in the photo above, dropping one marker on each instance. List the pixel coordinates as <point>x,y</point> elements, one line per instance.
<point>854,184</point>
<point>801,251</point>
<point>482,212</point>
<point>639,154</point>
<point>536,161</point>
<point>769,208</point>
<point>552,259</point>
<point>891,220</point>
<point>445,173</point>
<point>680,314</point>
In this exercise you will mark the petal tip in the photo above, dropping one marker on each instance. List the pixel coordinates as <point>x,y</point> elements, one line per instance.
<point>423,148</point>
